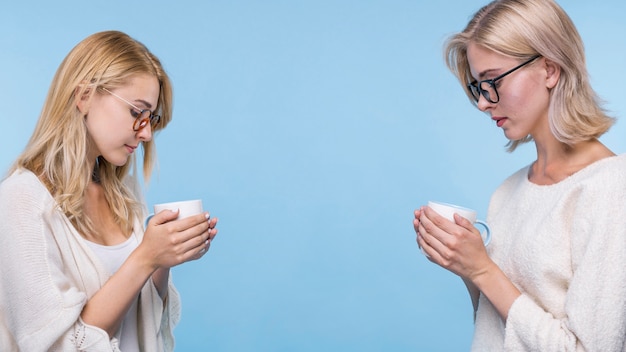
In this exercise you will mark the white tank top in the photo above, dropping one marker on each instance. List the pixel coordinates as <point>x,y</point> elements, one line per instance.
<point>113,257</point>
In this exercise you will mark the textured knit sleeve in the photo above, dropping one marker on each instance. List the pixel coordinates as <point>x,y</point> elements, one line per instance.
<point>595,303</point>
<point>171,317</point>
<point>40,300</point>
<point>160,318</point>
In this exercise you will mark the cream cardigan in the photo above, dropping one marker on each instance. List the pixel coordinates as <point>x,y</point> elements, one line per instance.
<point>564,247</point>
<point>49,272</point>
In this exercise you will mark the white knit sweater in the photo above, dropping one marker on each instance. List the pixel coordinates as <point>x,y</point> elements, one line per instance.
<point>48,273</point>
<point>564,247</point>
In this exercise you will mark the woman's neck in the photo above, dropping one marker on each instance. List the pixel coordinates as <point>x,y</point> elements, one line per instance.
<point>557,161</point>
<point>98,210</point>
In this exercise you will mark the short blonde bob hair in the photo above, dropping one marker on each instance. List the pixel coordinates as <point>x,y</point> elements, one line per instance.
<point>522,29</point>
<point>57,150</point>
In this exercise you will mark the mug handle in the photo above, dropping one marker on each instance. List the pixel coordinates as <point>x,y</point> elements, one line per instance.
<point>145,223</point>
<point>485,235</point>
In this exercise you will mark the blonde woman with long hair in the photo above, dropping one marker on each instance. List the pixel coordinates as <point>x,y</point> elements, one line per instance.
<point>79,270</point>
<point>553,277</point>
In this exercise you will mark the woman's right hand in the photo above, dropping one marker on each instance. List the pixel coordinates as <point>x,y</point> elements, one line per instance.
<point>456,246</point>
<point>168,242</point>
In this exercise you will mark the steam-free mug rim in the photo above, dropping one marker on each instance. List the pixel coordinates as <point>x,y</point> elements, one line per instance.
<point>172,206</point>
<point>168,205</point>
<point>452,206</point>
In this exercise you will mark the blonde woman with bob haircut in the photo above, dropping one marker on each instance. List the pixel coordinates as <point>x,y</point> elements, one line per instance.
<point>552,278</point>
<point>79,270</point>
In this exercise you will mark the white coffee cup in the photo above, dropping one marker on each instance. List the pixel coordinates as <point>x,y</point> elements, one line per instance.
<point>448,210</point>
<point>186,207</point>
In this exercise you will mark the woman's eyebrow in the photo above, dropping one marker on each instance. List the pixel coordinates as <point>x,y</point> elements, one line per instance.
<point>485,73</point>
<point>145,103</point>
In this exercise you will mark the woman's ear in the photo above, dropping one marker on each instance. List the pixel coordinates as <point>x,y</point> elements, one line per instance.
<point>553,73</point>
<point>82,98</point>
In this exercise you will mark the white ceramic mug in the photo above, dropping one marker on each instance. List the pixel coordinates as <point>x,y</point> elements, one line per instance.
<point>186,207</point>
<point>448,210</point>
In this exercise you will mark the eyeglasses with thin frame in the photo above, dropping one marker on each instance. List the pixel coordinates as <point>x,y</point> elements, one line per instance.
<point>487,87</point>
<point>142,116</point>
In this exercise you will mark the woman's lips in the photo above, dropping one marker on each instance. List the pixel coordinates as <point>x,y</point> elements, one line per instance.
<point>499,120</point>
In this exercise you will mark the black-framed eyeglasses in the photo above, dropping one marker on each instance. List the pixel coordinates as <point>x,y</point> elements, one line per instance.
<point>143,117</point>
<point>487,87</point>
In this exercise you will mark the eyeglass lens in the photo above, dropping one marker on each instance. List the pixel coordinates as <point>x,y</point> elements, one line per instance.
<point>143,118</point>
<point>488,87</point>
<point>488,90</point>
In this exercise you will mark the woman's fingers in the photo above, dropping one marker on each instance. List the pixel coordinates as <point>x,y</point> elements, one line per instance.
<point>432,227</point>
<point>185,239</point>
<point>212,229</point>
<point>199,244</point>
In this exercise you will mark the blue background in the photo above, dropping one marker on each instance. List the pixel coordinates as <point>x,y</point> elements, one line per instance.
<point>312,129</point>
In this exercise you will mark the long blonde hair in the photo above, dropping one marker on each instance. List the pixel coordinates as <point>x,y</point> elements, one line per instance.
<point>522,29</point>
<point>57,150</point>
